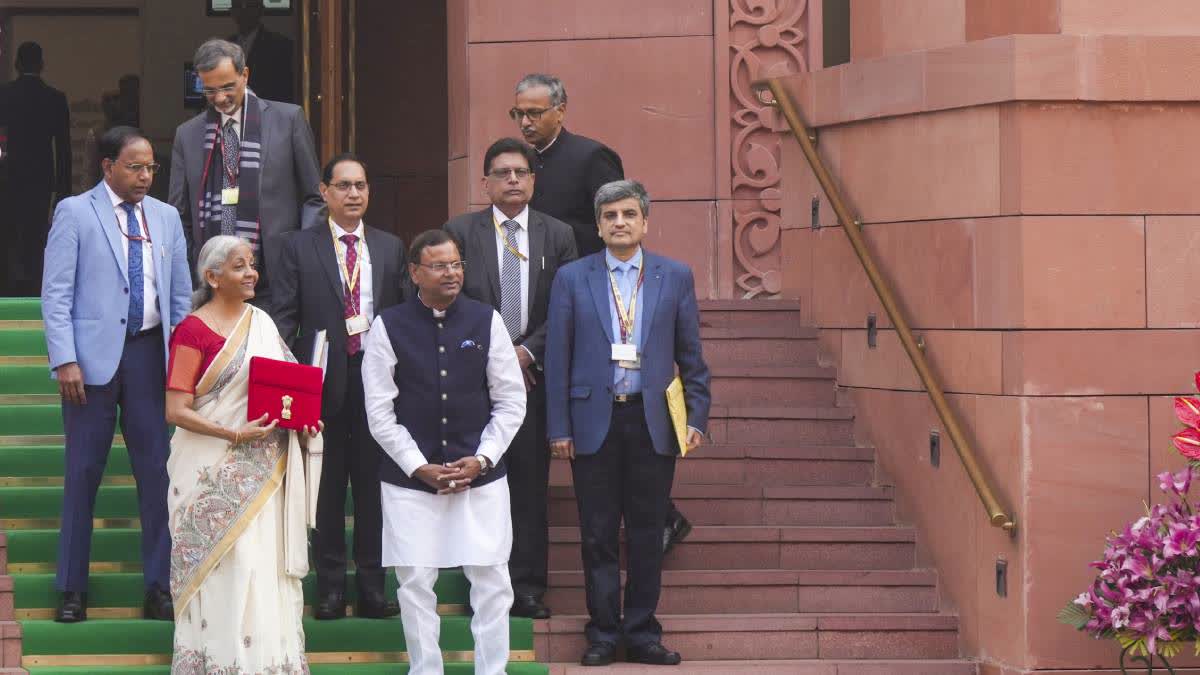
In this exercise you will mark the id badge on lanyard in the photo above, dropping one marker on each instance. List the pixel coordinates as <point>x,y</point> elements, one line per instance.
<point>625,352</point>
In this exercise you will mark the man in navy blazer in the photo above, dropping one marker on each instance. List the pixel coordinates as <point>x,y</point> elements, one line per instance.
<point>620,322</point>
<point>115,282</point>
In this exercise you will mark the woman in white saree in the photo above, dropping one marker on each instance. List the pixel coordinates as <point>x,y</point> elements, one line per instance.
<point>240,501</point>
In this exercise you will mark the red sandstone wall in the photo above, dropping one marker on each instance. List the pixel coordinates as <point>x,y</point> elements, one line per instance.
<point>1032,200</point>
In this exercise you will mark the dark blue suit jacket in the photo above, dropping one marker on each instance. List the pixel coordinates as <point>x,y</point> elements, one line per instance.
<point>579,368</point>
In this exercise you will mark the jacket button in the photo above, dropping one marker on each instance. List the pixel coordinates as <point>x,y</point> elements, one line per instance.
<point>126,291</point>
<point>443,442</point>
<point>439,324</point>
<point>443,395</point>
<point>443,420</point>
<point>441,349</point>
<point>122,320</point>
<point>443,373</point>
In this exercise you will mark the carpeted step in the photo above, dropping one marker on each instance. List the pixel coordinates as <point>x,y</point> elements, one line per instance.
<point>26,379</point>
<point>126,590</point>
<point>30,420</point>
<point>22,342</point>
<point>48,461</point>
<point>20,309</point>
<point>140,636</point>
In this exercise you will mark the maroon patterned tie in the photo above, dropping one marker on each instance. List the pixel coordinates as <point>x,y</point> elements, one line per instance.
<point>353,342</point>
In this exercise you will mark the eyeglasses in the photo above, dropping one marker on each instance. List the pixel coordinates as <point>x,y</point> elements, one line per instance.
<point>227,89</point>
<point>533,114</point>
<point>440,268</point>
<point>501,174</point>
<point>344,186</point>
<point>153,167</point>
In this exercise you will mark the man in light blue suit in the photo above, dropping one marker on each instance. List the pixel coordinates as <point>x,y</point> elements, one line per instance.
<point>115,283</point>
<point>620,322</point>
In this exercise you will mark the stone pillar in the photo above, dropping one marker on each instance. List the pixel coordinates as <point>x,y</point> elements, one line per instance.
<point>1031,198</point>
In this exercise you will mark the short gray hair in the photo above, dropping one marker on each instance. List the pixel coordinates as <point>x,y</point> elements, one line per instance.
<point>558,93</point>
<point>622,189</point>
<point>212,256</point>
<point>210,55</point>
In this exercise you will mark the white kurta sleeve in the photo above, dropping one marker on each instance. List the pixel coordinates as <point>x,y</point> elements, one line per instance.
<point>506,387</point>
<point>379,390</point>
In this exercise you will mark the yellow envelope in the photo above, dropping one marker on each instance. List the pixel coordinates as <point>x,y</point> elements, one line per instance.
<point>678,409</point>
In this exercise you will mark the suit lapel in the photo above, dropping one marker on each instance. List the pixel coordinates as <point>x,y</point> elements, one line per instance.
<point>158,235</point>
<point>264,133</point>
<point>108,224</point>
<point>537,251</point>
<point>598,281</point>
<point>377,262</point>
<point>487,238</point>
<point>651,289</point>
<point>327,257</point>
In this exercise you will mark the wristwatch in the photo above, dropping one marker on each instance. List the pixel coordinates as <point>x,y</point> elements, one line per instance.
<point>485,464</point>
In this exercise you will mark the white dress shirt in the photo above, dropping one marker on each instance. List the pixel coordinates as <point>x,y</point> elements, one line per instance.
<point>237,119</point>
<point>522,235</point>
<point>151,317</point>
<point>472,527</point>
<point>366,299</point>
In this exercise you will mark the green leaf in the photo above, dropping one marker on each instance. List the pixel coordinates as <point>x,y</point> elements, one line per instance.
<point>1074,615</point>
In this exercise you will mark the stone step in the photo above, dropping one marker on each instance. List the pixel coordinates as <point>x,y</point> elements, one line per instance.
<point>782,667</point>
<point>745,314</point>
<point>772,591</point>
<point>726,637</point>
<point>774,386</point>
<point>760,345</point>
<point>721,464</point>
<point>753,505</point>
<point>797,425</point>
<point>787,548</point>
<point>10,644</point>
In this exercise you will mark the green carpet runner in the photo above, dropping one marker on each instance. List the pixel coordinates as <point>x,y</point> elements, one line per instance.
<point>115,639</point>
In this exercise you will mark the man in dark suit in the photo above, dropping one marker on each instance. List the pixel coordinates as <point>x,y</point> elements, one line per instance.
<point>516,252</point>
<point>247,166</point>
<point>336,277</point>
<point>268,54</point>
<point>38,165</point>
<point>570,168</point>
<point>620,323</point>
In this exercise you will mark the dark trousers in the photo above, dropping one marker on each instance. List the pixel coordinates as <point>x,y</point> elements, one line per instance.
<point>624,480</point>
<point>528,460</point>
<point>137,390</point>
<point>27,214</point>
<point>350,453</point>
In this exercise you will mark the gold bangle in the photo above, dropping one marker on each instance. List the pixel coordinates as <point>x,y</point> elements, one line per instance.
<point>236,438</point>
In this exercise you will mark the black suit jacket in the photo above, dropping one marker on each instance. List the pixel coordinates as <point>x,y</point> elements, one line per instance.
<point>551,245</point>
<point>568,174</point>
<point>270,61</point>
<point>38,155</point>
<point>309,296</point>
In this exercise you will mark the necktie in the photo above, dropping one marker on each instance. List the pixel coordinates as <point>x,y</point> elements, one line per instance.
<point>230,145</point>
<point>510,282</point>
<point>137,291</point>
<point>353,342</point>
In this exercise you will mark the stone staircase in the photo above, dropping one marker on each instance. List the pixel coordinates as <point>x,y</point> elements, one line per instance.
<point>795,564</point>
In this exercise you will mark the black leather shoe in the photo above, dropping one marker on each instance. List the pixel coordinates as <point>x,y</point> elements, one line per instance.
<point>376,606</point>
<point>653,654</point>
<point>158,605</point>
<point>530,607</point>
<point>330,606</point>
<point>599,654</point>
<point>677,529</point>
<point>72,608</point>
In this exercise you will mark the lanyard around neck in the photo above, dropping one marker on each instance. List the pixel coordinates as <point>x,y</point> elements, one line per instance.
<point>627,316</point>
<point>351,276</point>
<point>503,238</point>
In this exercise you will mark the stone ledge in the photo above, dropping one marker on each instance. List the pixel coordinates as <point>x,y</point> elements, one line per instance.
<point>1099,68</point>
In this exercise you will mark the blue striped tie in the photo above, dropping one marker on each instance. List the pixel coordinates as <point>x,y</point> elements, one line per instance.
<point>137,290</point>
<point>510,282</point>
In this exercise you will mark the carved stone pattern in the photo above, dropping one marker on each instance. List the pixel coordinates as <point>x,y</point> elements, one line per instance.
<point>768,39</point>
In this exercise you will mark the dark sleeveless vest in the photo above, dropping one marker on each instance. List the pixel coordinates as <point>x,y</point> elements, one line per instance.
<point>441,374</point>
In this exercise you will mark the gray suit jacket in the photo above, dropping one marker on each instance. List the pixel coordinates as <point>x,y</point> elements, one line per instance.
<point>288,195</point>
<point>551,245</point>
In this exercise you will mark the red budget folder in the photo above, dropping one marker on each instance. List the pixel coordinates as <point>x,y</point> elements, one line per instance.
<point>288,392</point>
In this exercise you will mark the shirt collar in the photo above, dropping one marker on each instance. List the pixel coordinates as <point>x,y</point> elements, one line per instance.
<point>236,116</point>
<point>552,141</point>
<point>522,218</point>
<point>338,232</point>
<point>614,264</point>
<point>116,200</point>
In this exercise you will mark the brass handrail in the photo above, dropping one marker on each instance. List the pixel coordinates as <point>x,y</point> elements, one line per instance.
<point>998,516</point>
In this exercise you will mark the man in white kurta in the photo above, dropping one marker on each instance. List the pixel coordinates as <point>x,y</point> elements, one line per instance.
<point>445,396</point>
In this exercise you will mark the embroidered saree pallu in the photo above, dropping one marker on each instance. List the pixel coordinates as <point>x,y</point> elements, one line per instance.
<point>239,516</point>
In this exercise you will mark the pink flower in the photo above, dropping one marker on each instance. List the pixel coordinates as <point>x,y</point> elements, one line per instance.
<point>1119,617</point>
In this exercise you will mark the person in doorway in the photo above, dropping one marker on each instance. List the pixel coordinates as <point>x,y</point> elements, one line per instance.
<point>620,324</point>
<point>520,250</point>
<point>245,167</point>
<point>268,54</point>
<point>240,500</point>
<point>37,164</point>
<point>337,278</point>
<point>445,396</point>
<point>118,284</point>
<point>570,168</point>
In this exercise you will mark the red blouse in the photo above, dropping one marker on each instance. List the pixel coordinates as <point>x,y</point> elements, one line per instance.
<point>193,347</point>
